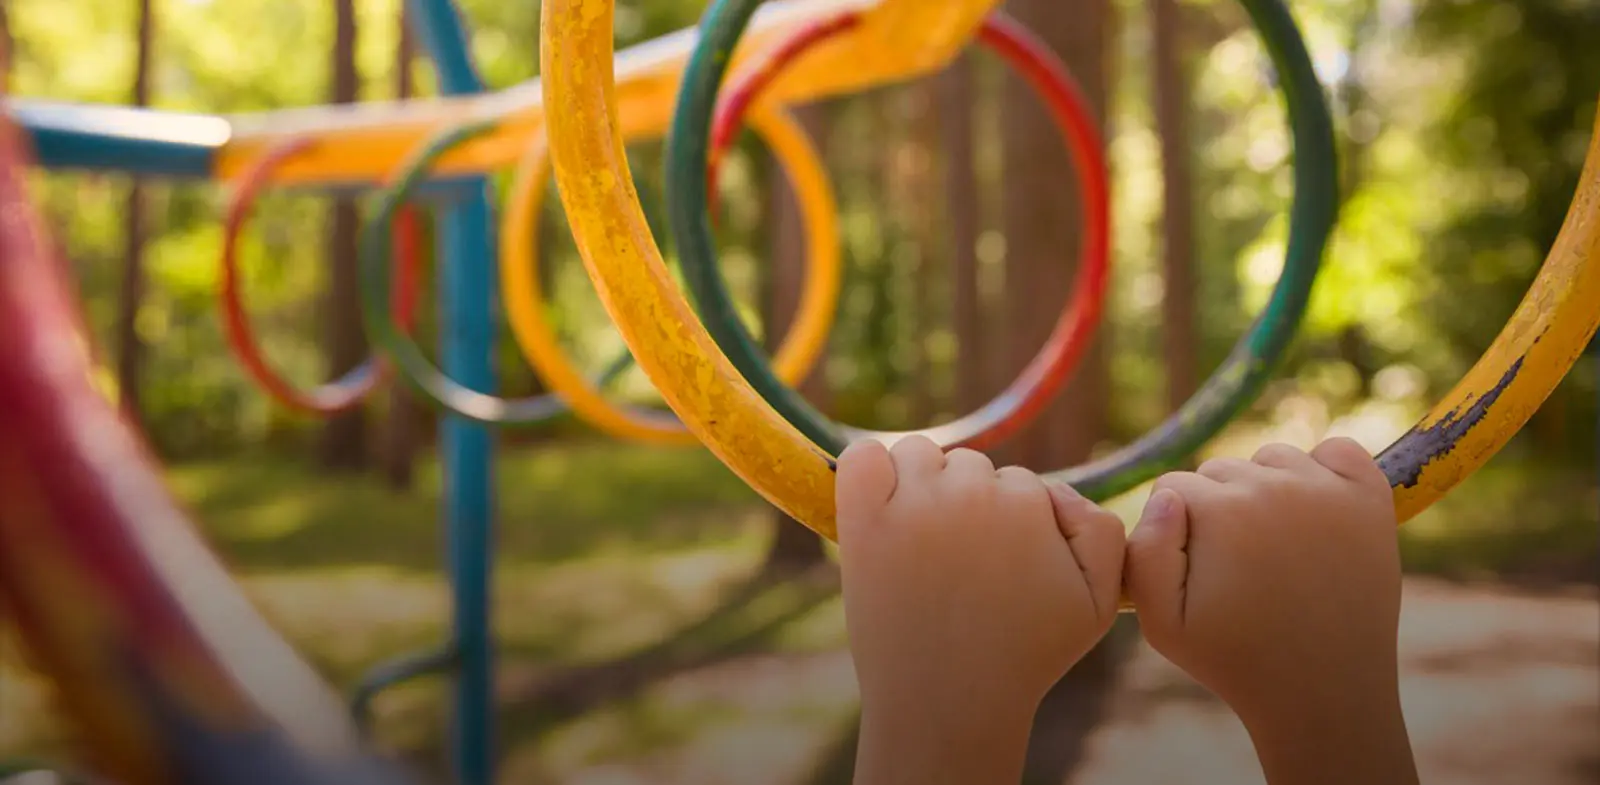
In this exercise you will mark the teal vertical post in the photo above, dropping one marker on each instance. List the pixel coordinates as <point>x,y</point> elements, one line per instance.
<point>466,308</point>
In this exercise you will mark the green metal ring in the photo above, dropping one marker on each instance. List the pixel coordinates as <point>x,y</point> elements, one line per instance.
<point>398,347</point>
<point>1230,389</point>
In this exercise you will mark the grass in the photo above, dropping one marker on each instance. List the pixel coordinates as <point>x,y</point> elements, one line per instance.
<point>1518,519</point>
<point>599,549</point>
<point>554,505</point>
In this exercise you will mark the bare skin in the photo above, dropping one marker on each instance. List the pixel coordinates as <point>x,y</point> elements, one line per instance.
<point>1275,583</point>
<point>968,593</point>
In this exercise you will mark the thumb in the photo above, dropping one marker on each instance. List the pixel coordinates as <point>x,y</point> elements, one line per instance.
<point>1158,563</point>
<point>1098,543</point>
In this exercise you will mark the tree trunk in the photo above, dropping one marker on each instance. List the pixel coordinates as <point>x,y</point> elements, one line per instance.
<point>1043,224</point>
<point>910,220</point>
<point>1180,329</point>
<point>400,428</point>
<point>922,226</point>
<point>1360,131</point>
<point>794,547</point>
<point>954,98</point>
<point>130,296</point>
<point>1361,123</point>
<point>343,441</point>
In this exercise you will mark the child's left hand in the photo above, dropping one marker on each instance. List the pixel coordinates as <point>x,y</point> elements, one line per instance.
<point>968,591</point>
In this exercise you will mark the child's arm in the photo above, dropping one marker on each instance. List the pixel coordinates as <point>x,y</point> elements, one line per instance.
<point>1275,582</point>
<point>968,593</point>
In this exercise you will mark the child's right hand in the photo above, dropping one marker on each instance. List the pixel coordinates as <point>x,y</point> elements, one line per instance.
<point>1275,583</point>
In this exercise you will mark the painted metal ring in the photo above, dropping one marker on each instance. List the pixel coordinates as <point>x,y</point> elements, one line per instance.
<point>1067,344</point>
<point>431,382</point>
<point>710,394</point>
<point>802,347</point>
<point>1229,390</point>
<point>1539,344</point>
<point>350,389</point>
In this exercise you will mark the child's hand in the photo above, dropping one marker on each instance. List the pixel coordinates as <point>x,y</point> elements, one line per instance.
<point>1275,583</point>
<point>968,593</point>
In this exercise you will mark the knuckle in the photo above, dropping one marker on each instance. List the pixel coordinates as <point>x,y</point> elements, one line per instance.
<point>1217,466</point>
<point>1013,474</point>
<point>915,443</point>
<point>1175,480</point>
<point>1022,488</point>
<point>1188,484</point>
<point>1346,456</point>
<point>1281,478</point>
<point>968,457</point>
<point>1236,501</point>
<point>1276,450</point>
<point>1347,443</point>
<point>861,451</point>
<point>1344,449</point>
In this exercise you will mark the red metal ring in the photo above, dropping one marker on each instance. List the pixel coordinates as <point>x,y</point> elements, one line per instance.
<point>1044,376</point>
<point>342,393</point>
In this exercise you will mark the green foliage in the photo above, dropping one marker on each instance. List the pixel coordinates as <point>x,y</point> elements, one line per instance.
<point>1463,123</point>
<point>353,573</point>
<point>1463,128</point>
<point>1516,132</point>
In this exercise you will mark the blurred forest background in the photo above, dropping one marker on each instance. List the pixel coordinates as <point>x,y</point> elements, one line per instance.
<point>1462,125</point>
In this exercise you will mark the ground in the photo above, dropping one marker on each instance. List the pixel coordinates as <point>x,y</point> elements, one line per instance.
<point>1501,684</point>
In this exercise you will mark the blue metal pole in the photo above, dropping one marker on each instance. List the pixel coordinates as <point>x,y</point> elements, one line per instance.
<point>466,305</point>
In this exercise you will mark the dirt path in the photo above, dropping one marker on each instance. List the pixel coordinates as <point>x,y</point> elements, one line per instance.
<point>1499,688</point>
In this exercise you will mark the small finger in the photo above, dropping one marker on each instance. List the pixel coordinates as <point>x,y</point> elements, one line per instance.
<point>1186,484</point>
<point>1227,469</point>
<point>968,463</point>
<point>865,481</point>
<point>916,459</point>
<point>1019,483</point>
<point>1283,456</point>
<point>1348,459</point>
<point>1019,479</point>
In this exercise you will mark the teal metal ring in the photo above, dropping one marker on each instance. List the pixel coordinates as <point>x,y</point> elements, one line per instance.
<point>1229,390</point>
<point>399,348</point>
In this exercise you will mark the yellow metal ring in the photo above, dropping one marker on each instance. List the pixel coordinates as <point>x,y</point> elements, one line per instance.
<point>1541,341</point>
<point>802,347</point>
<point>1492,402</point>
<point>668,342</point>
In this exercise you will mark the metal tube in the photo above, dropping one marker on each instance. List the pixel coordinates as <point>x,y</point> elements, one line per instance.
<point>466,305</point>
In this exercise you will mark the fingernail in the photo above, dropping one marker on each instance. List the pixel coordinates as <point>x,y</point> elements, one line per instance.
<point>1160,506</point>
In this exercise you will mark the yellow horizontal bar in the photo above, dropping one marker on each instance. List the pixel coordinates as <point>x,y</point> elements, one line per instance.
<point>897,40</point>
